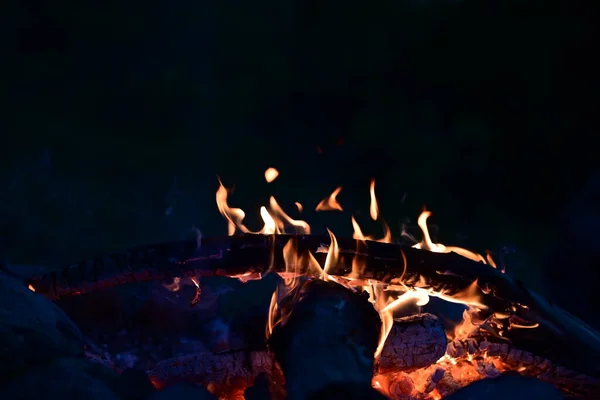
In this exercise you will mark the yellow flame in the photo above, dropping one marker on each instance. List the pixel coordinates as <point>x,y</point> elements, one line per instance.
<point>332,254</point>
<point>330,203</point>
<point>297,264</point>
<point>271,174</point>
<point>490,260</point>
<point>358,234</point>
<point>467,326</point>
<point>299,206</point>
<point>273,223</point>
<point>379,299</point>
<point>174,286</point>
<point>374,213</point>
<point>427,244</point>
<point>31,288</point>
<point>270,227</point>
<point>373,208</point>
<point>358,264</point>
<point>301,227</point>
<point>234,216</point>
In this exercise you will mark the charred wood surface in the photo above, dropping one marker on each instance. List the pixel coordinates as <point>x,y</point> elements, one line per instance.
<point>389,263</point>
<point>414,342</point>
<point>573,383</point>
<point>402,351</point>
<point>231,370</point>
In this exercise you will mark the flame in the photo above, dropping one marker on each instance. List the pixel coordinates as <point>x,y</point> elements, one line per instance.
<point>333,254</point>
<point>387,316</point>
<point>296,265</point>
<point>301,226</point>
<point>386,298</point>
<point>174,286</point>
<point>270,227</point>
<point>271,174</point>
<point>274,221</point>
<point>427,243</point>
<point>467,326</point>
<point>196,283</point>
<point>330,203</point>
<point>373,208</point>
<point>358,264</point>
<point>30,287</point>
<point>358,235</point>
<point>299,206</point>
<point>490,260</point>
<point>374,212</point>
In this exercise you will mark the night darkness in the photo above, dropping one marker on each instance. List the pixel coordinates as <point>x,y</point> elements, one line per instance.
<point>485,111</point>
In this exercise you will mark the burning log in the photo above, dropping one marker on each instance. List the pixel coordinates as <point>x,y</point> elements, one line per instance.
<point>413,342</point>
<point>571,382</point>
<point>559,336</point>
<point>228,372</point>
<point>477,358</point>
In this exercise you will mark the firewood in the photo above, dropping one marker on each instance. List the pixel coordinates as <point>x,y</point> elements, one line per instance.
<point>554,338</point>
<point>222,372</point>
<point>403,350</point>
<point>414,342</point>
<point>574,383</point>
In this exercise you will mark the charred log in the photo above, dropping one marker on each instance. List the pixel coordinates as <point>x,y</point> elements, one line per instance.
<point>573,383</point>
<point>240,368</point>
<point>388,263</point>
<point>224,373</point>
<point>414,342</point>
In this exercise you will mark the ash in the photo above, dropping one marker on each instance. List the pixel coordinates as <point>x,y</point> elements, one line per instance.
<point>136,325</point>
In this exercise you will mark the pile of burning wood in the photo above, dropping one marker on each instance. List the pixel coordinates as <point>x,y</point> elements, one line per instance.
<point>348,316</point>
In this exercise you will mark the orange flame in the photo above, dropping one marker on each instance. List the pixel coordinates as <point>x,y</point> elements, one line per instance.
<point>374,213</point>
<point>333,254</point>
<point>276,220</point>
<point>427,243</point>
<point>271,174</point>
<point>330,203</point>
<point>301,226</point>
<point>273,224</point>
<point>374,208</point>
<point>296,265</point>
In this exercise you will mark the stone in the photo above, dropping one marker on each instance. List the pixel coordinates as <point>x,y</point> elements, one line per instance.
<point>183,391</point>
<point>33,330</point>
<point>63,378</point>
<point>508,386</point>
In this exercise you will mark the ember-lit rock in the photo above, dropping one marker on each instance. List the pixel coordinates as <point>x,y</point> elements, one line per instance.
<point>62,379</point>
<point>183,391</point>
<point>33,330</point>
<point>513,387</point>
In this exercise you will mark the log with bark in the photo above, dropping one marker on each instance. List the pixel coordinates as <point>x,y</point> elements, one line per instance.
<point>414,342</point>
<point>560,336</point>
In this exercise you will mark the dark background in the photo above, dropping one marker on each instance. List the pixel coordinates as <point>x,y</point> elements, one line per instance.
<point>485,111</point>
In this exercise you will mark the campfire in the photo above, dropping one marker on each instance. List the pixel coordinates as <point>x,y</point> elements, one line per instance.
<point>367,312</point>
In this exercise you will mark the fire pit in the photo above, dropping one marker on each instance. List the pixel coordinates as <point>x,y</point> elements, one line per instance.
<point>298,315</point>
